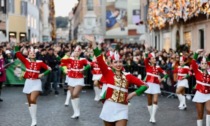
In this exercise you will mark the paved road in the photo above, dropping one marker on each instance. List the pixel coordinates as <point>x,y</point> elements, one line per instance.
<point>51,111</point>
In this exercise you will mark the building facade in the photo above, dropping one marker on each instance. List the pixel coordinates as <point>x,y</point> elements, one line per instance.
<point>33,20</point>
<point>46,29</point>
<point>17,20</point>
<point>3,13</point>
<point>170,25</point>
<point>88,19</point>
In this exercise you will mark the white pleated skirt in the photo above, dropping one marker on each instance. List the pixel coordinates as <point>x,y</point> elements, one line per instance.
<point>112,112</point>
<point>153,88</point>
<point>183,83</point>
<point>73,82</point>
<point>32,85</point>
<point>96,77</point>
<point>200,97</point>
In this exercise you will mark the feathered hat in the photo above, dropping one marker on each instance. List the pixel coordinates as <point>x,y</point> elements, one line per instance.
<point>116,56</point>
<point>77,49</point>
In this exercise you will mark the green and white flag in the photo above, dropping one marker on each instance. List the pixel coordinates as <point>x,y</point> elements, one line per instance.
<point>15,72</point>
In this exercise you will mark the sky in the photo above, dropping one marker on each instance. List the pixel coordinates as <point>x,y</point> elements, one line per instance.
<point>63,7</point>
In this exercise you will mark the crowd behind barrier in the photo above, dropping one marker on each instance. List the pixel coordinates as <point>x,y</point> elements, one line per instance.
<point>132,55</point>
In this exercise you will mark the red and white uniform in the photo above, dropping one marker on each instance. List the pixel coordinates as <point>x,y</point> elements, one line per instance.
<point>32,83</point>
<point>202,84</point>
<point>116,92</point>
<point>96,71</point>
<point>182,73</point>
<point>75,70</point>
<point>152,77</point>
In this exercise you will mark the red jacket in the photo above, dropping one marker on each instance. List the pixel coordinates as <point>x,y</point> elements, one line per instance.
<point>117,86</point>
<point>32,68</point>
<point>202,79</point>
<point>152,72</point>
<point>75,67</point>
<point>182,72</point>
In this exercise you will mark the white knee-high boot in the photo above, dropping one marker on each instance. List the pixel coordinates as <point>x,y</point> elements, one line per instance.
<point>75,105</point>
<point>154,110</point>
<point>199,122</point>
<point>180,100</point>
<point>183,102</point>
<point>33,111</point>
<point>67,98</point>
<point>96,93</point>
<point>150,112</point>
<point>207,120</point>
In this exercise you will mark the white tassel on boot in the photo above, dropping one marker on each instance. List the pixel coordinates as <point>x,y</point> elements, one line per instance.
<point>180,100</point>
<point>75,105</point>
<point>150,112</point>
<point>207,120</point>
<point>33,110</point>
<point>154,110</point>
<point>67,98</point>
<point>199,122</point>
<point>183,102</point>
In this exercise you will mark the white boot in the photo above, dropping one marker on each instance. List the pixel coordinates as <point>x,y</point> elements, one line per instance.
<point>75,105</point>
<point>199,122</point>
<point>207,120</point>
<point>154,110</point>
<point>180,100</point>
<point>183,101</point>
<point>77,100</point>
<point>150,112</point>
<point>67,98</point>
<point>33,110</point>
<point>96,95</point>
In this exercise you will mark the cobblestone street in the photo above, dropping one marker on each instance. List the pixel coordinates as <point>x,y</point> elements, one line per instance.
<point>51,111</point>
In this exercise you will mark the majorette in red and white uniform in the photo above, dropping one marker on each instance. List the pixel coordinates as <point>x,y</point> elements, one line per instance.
<point>33,82</point>
<point>183,73</point>
<point>95,71</point>
<point>115,107</point>
<point>152,76</point>
<point>75,69</point>
<point>202,82</point>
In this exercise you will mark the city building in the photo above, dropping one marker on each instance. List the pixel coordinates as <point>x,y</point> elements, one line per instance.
<point>174,23</point>
<point>88,19</point>
<point>33,20</point>
<point>3,13</point>
<point>46,26</point>
<point>17,20</point>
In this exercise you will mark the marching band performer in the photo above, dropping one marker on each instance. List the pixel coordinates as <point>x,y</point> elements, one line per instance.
<point>75,68</point>
<point>183,72</point>
<point>202,95</point>
<point>96,77</point>
<point>115,108</point>
<point>153,80</point>
<point>64,69</point>
<point>2,72</point>
<point>32,86</point>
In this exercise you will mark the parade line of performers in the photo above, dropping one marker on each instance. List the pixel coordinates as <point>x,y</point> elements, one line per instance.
<point>111,83</point>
